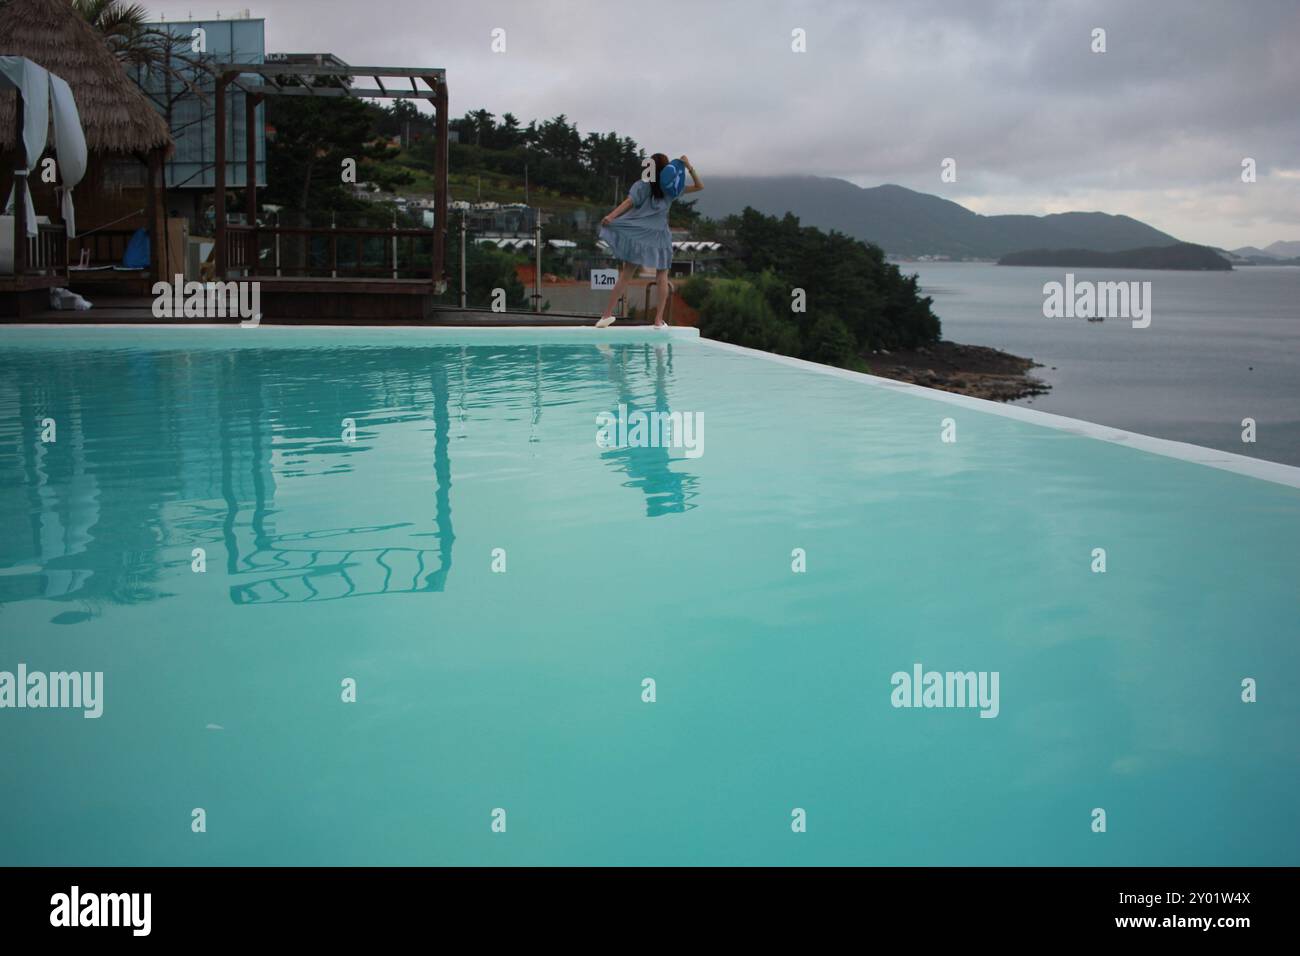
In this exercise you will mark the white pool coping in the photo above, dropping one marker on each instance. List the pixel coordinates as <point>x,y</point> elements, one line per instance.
<point>673,331</point>
<point>1272,471</point>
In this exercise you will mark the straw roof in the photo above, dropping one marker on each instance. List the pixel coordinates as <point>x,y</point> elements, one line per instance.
<point>115,115</point>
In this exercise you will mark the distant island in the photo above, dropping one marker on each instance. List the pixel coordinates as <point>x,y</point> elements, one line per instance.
<point>1183,256</point>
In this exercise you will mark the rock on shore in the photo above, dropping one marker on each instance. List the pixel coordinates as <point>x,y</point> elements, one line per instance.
<point>966,369</point>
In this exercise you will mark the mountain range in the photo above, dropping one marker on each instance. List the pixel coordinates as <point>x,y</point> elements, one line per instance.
<point>907,223</point>
<point>1276,250</point>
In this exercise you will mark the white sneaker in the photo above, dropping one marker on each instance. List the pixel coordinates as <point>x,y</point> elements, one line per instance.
<point>606,322</point>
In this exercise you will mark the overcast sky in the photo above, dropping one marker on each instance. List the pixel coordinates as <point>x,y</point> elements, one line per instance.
<point>1156,127</point>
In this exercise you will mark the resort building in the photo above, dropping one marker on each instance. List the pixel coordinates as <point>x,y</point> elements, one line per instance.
<point>182,90</point>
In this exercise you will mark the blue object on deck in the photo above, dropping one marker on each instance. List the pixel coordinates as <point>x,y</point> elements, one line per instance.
<point>137,251</point>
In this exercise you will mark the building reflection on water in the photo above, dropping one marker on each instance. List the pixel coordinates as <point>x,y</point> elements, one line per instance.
<point>298,567</point>
<point>160,452</point>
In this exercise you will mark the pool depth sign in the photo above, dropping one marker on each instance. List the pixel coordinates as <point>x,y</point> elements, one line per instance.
<point>604,279</point>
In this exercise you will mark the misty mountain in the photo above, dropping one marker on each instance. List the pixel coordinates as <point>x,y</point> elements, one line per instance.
<point>1274,254</point>
<point>1283,250</point>
<point>908,223</point>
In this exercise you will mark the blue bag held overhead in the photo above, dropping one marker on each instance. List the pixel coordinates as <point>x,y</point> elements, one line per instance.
<point>672,178</point>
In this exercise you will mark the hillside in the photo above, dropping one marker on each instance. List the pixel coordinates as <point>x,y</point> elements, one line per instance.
<point>908,223</point>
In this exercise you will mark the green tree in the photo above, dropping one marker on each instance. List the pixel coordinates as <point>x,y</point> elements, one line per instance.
<point>683,213</point>
<point>120,23</point>
<point>403,119</point>
<point>144,48</point>
<point>305,158</point>
<point>509,134</point>
<point>840,276</point>
<point>559,139</point>
<point>484,126</point>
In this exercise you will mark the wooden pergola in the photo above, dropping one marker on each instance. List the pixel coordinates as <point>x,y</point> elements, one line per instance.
<point>294,79</point>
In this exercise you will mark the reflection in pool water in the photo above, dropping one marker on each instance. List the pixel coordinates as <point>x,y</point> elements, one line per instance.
<point>159,450</point>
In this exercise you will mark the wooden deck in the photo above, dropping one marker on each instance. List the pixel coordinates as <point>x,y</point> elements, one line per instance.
<point>138,310</point>
<point>342,284</point>
<point>24,283</point>
<point>97,285</point>
<point>23,296</point>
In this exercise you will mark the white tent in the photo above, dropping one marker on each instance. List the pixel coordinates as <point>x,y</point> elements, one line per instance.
<point>42,93</point>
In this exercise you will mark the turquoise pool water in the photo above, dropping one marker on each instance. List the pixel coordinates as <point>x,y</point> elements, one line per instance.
<point>477,689</point>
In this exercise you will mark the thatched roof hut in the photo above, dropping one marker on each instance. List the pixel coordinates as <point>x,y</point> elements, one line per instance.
<point>116,116</point>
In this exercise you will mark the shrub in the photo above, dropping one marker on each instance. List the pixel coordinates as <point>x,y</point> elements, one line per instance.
<point>488,268</point>
<point>694,291</point>
<point>829,342</point>
<point>736,311</point>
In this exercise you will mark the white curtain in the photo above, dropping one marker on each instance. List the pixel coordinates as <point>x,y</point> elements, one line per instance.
<point>33,84</point>
<point>69,145</point>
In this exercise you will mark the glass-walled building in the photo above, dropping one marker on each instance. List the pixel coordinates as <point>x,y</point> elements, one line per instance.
<point>184,93</point>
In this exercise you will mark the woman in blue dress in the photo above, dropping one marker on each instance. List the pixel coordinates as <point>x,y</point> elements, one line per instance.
<point>637,232</point>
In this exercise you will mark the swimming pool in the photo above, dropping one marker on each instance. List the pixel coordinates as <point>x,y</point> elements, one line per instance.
<point>499,583</point>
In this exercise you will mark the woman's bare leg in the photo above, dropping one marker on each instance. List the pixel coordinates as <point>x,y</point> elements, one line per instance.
<point>624,277</point>
<point>661,284</point>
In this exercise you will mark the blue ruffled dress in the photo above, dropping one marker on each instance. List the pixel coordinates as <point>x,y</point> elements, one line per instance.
<point>641,234</point>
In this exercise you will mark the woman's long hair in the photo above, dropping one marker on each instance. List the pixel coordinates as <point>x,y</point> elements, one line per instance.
<point>660,162</point>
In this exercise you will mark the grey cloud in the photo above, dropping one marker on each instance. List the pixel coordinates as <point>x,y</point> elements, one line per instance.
<point>888,89</point>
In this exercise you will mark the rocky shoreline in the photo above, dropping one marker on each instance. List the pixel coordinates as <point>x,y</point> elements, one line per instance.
<point>974,370</point>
